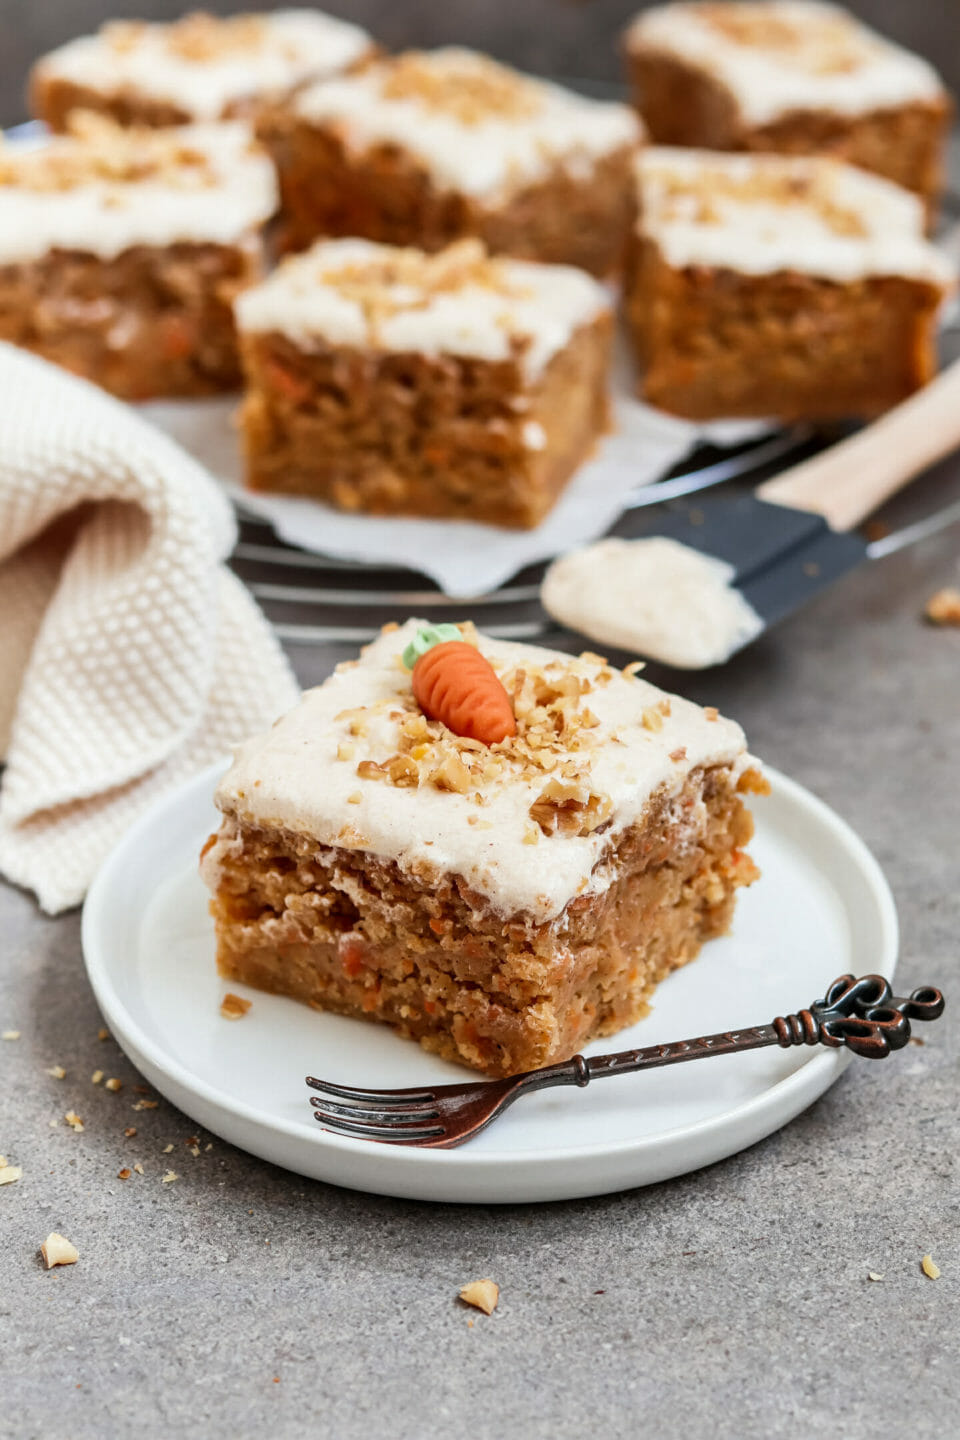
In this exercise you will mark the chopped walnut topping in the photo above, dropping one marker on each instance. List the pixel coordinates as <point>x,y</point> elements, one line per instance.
<point>469,88</point>
<point>711,712</point>
<point>679,754</point>
<point>569,809</point>
<point>57,1250</point>
<point>98,151</point>
<point>944,607</point>
<point>652,719</point>
<point>345,750</point>
<point>482,1295</point>
<point>706,197</point>
<point>355,799</point>
<point>234,1007</point>
<point>820,44</point>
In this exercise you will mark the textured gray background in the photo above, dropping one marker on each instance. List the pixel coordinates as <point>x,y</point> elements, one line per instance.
<point>735,1302</point>
<point>561,37</point>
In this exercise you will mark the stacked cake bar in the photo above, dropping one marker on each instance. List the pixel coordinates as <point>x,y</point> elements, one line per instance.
<point>794,76</point>
<point>121,252</point>
<point>501,903</point>
<point>787,287</point>
<point>426,147</point>
<point>199,68</point>
<point>454,385</point>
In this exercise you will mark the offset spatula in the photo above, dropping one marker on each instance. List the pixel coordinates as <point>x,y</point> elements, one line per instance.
<point>794,534</point>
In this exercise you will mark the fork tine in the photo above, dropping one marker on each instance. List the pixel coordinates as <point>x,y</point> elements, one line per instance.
<point>376,1097</point>
<point>401,1134</point>
<point>366,1114</point>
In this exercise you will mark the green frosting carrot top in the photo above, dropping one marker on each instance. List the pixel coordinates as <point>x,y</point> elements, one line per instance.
<point>425,639</point>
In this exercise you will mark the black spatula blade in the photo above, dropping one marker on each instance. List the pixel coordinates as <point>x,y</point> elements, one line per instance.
<point>781,557</point>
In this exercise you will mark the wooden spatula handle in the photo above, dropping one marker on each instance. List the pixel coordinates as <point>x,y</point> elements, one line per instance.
<point>849,480</point>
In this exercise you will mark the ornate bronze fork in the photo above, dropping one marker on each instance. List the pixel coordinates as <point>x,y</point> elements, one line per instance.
<point>864,1015</point>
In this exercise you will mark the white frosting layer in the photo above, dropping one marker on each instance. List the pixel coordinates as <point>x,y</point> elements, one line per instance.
<point>485,157</point>
<point>296,45</point>
<point>537,307</point>
<point>758,214</point>
<point>652,597</point>
<point>292,778</point>
<point>232,193</point>
<point>802,55</point>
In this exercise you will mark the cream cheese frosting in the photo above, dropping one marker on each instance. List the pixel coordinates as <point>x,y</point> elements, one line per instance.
<point>105,191</point>
<point>788,55</point>
<point>477,127</point>
<point>758,214</point>
<point>459,302</point>
<point>652,597</point>
<point>306,776</point>
<point>203,65</point>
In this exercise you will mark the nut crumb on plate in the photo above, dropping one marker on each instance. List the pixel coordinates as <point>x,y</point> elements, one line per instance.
<point>9,1173</point>
<point>113,1084</point>
<point>930,1267</point>
<point>96,1077</point>
<point>482,1294</point>
<point>234,1007</point>
<point>10,1035</point>
<point>873,1275</point>
<point>74,1121</point>
<point>57,1071</point>
<point>57,1250</point>
<point>169,1177</point>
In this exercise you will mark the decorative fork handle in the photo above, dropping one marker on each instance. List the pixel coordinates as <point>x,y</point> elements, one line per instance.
<point>864,1015</point>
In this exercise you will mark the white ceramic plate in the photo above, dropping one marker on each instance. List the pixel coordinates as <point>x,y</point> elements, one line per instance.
<point>821,908</point>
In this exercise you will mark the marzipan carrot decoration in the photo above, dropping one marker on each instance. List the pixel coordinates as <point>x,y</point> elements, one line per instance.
<point>455,684</point>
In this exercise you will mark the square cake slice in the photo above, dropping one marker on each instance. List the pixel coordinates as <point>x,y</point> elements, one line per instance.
<point>768,285</point>
<point>394,382</point>
<point>503,903</point>
<point>795,76</point>
<point>198,68</point>
<point>426,147</point>
<point>121,251</point>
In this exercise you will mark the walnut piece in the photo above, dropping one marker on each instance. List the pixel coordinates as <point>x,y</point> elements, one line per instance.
<point>234,1007</point>
<point>57,1250</point>
<point>482,1295</point>
<point>944,607</point>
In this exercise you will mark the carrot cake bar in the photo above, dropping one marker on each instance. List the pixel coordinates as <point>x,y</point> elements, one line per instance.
<point>426,147</point>
<point>501,900</point>
<point>767,285</point>
<point>795,76</point>
<point>199,68</point>
<point>453,385</point>
<point>121,252</point>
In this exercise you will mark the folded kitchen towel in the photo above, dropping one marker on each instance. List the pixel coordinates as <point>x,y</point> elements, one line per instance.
<point>130,656</point>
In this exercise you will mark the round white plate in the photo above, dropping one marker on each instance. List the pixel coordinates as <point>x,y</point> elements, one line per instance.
<point>822,908</point>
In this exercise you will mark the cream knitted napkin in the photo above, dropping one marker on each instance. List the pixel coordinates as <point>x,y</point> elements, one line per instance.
<point>130,656</point>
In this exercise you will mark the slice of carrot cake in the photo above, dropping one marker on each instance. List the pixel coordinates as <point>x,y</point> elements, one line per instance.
<point>198,68</point>
<point>454,385</point>
<point>121,251</point>
<point>429,146</point>
<point>498,850</point>
<point>779,286</point>
<point>796,76</point>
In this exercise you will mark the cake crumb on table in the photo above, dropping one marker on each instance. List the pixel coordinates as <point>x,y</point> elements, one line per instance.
<point>943,608</point>
<point>57,1250</point>
<point>930,1267</point>
<point>234,1007</point>
<point>482,1295</point>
